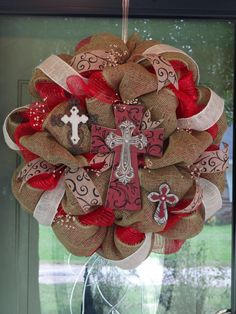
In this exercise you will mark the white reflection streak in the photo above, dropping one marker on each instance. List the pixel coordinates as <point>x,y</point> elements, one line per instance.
<point>76,281</point>
<point>113,307</point>
<point>86,280</point>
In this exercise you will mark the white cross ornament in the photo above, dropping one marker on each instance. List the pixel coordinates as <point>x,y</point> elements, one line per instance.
<point>75,119</point>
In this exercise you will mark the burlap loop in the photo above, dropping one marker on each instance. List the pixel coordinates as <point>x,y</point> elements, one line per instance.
<point>178,179</point>
<point>45,146</point>
<point>140,47</point>
<point>100,113</point>
<point>141,220</point>
<point>129,80</point>
<point>62,132</point>
<point>163,107</point>
<point>113,248</point>
<point>26,195</point>
<point>79,239</point>
<point>187,227</point>
<point>133,41</point>
<point>183,148</point>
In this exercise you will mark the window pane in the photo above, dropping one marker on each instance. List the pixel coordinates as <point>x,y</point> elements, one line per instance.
<point>197,278</point>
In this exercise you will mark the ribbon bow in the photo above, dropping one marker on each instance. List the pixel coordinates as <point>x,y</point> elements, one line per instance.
<point>77,180</point>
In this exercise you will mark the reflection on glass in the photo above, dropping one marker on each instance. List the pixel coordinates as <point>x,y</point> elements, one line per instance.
<point>196,280</point>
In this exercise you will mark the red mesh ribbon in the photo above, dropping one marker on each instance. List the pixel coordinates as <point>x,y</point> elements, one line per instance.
<point>22,130</point>
<point>83,42</point>
<point>174,218</point>
<point>129,235</point>
<point>96,86</point>
<point>187,95</point>
<point>45,181</point>
<point>51,93</point>
<point>101,217</point>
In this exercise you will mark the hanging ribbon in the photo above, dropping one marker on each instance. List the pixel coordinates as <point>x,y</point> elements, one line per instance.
<point>125,13</point>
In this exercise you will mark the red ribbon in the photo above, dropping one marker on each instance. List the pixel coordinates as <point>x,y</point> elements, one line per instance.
<point>101,217</point>
<point>187,95</point>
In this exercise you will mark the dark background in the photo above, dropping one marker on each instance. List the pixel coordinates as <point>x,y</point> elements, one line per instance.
<point>164,8</point>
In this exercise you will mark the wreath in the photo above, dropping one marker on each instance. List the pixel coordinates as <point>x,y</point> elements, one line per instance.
<point>121,149</point>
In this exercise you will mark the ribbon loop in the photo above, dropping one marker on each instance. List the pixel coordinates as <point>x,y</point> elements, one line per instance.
<point>58,71</point>
<point>47,206</point>
<point>205,118</point>
<point>82,188</point>
<point>213,161</point>
<point>77,180</point>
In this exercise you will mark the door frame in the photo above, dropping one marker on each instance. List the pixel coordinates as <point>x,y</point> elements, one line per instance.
<point>225,10</point>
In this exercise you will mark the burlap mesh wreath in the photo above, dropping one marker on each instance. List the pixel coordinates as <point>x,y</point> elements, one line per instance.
<point>159,83</point>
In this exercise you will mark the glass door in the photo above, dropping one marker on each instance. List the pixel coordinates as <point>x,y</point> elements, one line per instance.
<point>195,280</point>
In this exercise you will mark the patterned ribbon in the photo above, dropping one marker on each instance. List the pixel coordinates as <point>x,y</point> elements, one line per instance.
<point>35,168</point>
<point>213,161</point>
<point>77,180</point>
<point>164,71</point>
<point>161,49</point>
<point>89,61</point>
<point>197,200</point>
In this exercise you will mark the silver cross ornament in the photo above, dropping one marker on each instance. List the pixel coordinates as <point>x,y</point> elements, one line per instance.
<point>74,119</point>
<point>125,172</point>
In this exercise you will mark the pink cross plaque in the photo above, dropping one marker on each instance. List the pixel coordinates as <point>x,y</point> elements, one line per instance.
<point>127,142</point>
<point>163,197</point>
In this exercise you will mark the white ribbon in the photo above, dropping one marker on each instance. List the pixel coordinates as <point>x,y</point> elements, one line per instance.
<point>58,71</point>
<point>163,48</point>
<point>212,199</point>
<point>135,259</point>
<point>6,135</point>
<point>47,206</point>
<point>205,118</point>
